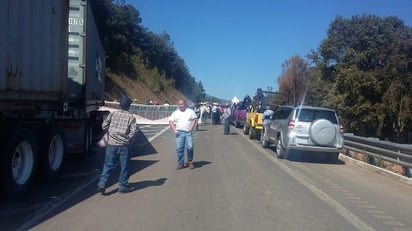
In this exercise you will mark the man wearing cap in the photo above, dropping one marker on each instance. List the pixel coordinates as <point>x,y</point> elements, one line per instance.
<point>121,127</point>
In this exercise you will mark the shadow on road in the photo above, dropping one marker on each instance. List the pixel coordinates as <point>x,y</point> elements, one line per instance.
<point>308,157</point>
<point>140,185</point>
<point>199,164</point>
<point>138,150</point>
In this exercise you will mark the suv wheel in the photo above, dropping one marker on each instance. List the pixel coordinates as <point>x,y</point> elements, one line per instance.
<point>280,151</point>
<point>333,157</point>
<point>265,142</point>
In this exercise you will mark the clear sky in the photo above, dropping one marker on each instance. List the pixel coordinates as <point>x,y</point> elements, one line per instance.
<point>236,46</point>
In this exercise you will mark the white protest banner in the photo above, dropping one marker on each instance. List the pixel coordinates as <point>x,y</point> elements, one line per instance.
<point>145,114</point>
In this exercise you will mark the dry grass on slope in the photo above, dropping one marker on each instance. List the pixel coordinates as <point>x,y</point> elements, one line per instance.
<point>118,85</point>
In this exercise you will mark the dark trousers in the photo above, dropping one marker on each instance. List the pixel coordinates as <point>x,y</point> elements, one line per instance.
<point>226,129</point>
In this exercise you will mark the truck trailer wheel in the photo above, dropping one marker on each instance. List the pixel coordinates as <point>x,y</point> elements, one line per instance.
<point>19,162</point>
<point>52,153</point>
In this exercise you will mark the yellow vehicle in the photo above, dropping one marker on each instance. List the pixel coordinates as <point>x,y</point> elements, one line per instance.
<point>254,123</point>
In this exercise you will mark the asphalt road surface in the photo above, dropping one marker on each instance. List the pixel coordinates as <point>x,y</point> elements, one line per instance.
<point>236,185</point>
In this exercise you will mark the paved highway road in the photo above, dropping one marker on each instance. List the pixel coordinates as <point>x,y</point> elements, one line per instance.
<point>236,185</point>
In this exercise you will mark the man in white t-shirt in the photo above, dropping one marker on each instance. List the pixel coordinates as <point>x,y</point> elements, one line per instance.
<point>182,121</point>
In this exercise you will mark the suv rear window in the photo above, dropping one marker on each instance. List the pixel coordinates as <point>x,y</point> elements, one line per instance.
<point>309,115</point>
<point>282,113</point>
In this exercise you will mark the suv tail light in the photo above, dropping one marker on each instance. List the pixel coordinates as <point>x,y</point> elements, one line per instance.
<point>341,128</point>
<point>291,124</point>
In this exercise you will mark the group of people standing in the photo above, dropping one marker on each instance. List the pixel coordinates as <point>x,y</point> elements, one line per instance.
<point>121,127</point>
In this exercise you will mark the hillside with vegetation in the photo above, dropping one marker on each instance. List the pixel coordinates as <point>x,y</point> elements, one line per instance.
<point>140,63</point>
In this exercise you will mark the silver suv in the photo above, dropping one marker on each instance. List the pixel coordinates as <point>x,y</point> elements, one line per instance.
<point>304,128</point>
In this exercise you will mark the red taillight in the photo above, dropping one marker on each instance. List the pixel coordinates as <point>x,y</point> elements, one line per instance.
<point>341,128</point>
<point>256,119</point>
<point>291,124</point>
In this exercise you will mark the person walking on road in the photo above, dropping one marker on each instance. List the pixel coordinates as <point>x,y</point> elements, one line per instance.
<point>121,127</point>
<point>182,121</point>
<point>197,111</point>
<point>226,118</point>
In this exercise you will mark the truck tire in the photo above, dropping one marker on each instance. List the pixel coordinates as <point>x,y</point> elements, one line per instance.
<point>252,133</point>
<point>52,153</point>
<point>19,163</point>
<point>245,129</point>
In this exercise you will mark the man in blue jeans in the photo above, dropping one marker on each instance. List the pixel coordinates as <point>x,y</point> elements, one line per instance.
<point>267,118</point>
<point>226,118</point>
<point>182,121</point>
<point>122,129</point>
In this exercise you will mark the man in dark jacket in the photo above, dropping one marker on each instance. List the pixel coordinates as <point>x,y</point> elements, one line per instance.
<point>121,127</point>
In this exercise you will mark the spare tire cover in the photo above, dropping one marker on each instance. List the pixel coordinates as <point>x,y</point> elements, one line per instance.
<point>322,132</point>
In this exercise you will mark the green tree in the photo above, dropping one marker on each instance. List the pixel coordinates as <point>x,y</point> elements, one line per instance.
<point>364,61</point>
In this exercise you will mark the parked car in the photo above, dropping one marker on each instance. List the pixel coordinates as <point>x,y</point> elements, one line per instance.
<point>305,128</point>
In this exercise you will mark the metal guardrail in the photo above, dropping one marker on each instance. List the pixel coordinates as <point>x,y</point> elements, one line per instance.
<point>400,154</point>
